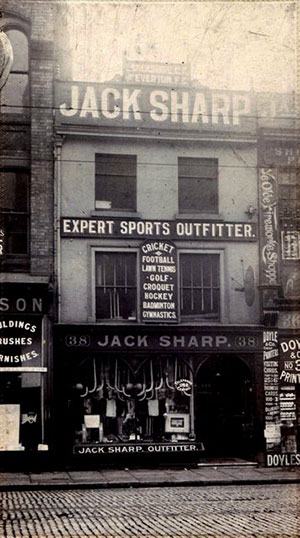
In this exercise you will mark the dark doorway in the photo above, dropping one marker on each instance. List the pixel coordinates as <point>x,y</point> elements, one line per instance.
<point>224,407</point>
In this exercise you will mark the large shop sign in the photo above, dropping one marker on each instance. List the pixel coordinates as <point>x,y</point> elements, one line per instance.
<point>20,342</point>
<point>159,281</point>
<point>136,105</point>
<point>140,338</point>
<point>158,229</point>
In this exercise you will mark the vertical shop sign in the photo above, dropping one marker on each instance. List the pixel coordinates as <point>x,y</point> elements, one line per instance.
<point>289,361</point>
<point>159,281</point>
<point>271,388</point>
<point>2,244</point>
<point>269,227</point>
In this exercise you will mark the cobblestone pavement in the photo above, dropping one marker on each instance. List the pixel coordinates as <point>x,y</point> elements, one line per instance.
<point>266,511</point>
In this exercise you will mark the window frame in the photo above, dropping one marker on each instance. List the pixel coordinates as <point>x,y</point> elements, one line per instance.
<point>134,199</point>
<point>199,317</point>
<point>14,259</point>
<point>204,211</point>
<point>112,250</point>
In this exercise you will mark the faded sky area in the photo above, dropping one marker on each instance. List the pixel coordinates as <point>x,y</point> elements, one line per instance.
<point>244,45</point>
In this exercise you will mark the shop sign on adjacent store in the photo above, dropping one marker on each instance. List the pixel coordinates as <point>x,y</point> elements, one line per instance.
<point>269,227</point>
<point>271,388</point>
<point>2,242</point>
<point>20,341</point>
<point>23,298</point>
<point>158,229</point>
<point>289,360</point>
<point>158,281</point>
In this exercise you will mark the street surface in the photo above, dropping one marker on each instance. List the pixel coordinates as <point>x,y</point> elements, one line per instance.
<point>258,511</point>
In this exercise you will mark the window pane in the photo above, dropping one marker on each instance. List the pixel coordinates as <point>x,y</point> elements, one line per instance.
<point>200,285</point>
<point>115,286</point>
<point>15,228</point>
<point>115,184</point>
<point>14,97</point>
<point>19,44</point>
<point>14,191</point>
<point>119,191</point>
<point>197,184</point>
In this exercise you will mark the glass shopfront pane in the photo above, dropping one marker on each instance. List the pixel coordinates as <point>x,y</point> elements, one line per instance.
<point>20,409</point>
<point>111,403</point>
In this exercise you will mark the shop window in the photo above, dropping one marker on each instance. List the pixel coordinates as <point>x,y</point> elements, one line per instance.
<point>115,285</point>
<point>115,185</point>
<point>110,403</point>
<point>20,411</point>
<point>200,286</point>
<point>14,215</point>
<point>198,185</point>
<point>15,93</point>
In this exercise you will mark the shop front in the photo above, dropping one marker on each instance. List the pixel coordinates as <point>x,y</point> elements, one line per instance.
<point>24,355</point>
<point>177,393</point>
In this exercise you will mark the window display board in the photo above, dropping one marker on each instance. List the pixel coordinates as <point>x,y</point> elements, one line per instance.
<point>10,427</point>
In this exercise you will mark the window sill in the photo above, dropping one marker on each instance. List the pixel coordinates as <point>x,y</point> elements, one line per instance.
<point>115,213</point>
<point>200,216</point>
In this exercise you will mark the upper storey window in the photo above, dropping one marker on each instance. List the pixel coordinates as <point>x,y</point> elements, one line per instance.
<point>15,93</point>
<point>115,184</point>
<point>197,185</point>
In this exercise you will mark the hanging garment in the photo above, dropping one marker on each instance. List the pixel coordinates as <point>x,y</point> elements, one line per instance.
<point>153,410</point>
<point>111,408</point>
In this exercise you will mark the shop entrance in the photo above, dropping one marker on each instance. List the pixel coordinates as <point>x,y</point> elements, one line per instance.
<point>224,407</point>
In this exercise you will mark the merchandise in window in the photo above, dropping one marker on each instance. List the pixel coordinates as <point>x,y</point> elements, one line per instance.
<point>115,182</point>
<point>111,403</point>
<point>197,185</point>
<point>200,286</point>
<point>115,285</point>
<point>20,411</point>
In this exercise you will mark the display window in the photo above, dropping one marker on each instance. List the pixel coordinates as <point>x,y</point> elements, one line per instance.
<point>21,420</point>
<point>112,400</point>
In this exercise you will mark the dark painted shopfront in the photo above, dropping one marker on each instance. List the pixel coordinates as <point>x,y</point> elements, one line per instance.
<point>151,390</point>
<point>24,360</point>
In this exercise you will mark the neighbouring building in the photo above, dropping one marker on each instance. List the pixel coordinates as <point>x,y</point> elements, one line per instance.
<point>278,173</point>
<point>26,223</point>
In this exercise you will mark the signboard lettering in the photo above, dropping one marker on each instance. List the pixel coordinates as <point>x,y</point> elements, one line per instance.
<point>269,227</point>
<point>158,281</point>
<point>156,338</point>
<point>20,342</point>
<point>187,229</point>
<point>146,106</point>
<point>271,388</point>
<point>137,449</point>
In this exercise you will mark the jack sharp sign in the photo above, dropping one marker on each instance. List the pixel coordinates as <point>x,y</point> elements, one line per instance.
<point>160,229</point>
<point>289,360</point>
<point>139,106</point>
<point>269,227</point>
<point>158,281</point>
<point>155,338</point>
<point>157,73</point>
<point>155,448</point>
<point>20,341</point>
<point>271,378</point>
